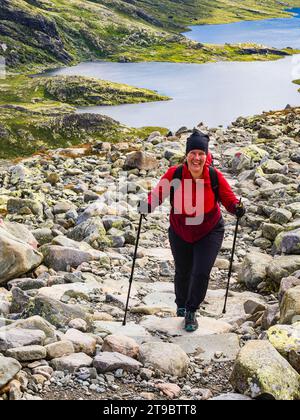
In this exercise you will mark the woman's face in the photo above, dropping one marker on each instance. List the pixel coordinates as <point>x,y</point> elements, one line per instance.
<point>195,161</point>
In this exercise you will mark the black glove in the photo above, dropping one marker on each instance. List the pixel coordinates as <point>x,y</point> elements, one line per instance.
<point>143,207</point>
<point>240,210</point>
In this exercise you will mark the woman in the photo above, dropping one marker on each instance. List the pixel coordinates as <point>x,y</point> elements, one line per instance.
<point>196,225</point>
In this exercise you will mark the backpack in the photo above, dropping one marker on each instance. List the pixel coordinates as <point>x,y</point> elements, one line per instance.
<point>213,179</point>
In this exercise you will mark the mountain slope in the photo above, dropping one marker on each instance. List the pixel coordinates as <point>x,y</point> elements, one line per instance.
<point>55,32</point>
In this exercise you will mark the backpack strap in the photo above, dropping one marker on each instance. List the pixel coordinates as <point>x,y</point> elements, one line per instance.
<point>177,175</point>
<point>214,180</point>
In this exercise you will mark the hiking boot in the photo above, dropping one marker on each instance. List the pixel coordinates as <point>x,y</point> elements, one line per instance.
<point>180,312</point>
<point>191,323</point>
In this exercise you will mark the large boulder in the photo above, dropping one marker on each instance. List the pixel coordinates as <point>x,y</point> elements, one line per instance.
<point>254,269</point>
<point>288,242</point>
<point>25,206</point>
<point>290,306</point>
<point>271,230</point>
<point>111,361</point>
<point>17,337</point>
<point>167,357</point>
<point>8,369</point>
<point>121,344</point>
<point>88,231</point>
<point>61,258</point>
<point>140,160</point>
<point>16,257</point>
<point>35,323</point>
<point>72,362</point>
<point>82,342</point>
<point>59,349</point>
<point>272,167</point>
<point>248,158</point>
<point>260,371</point>
<point>20,232</point>
<point>270,133</point>
<point>286,284</point>
<point>283,266</point>
<point>281,216</point>
<point>27,353</point>
<point>98,208</point>
<point>57,313</point>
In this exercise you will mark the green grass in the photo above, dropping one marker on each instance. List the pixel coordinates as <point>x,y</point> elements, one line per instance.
<point>61,32</point>
<point>179,53</point>
<point>72,90</point>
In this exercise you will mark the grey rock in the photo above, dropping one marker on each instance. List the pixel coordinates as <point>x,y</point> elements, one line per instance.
<point>27,353</point>
<point>141,161</point>
<point>288,242</point>
<point>286,284</point>
<point>283,266</point>
<point>81,342</point>
<point>57,313</point>
<point>261,371</point>
<point>61,258</point>
<point>17,337</point>
<point>281,216</point>
<point>111,361</point>
<point>17,205</point>
<point>270,316</point>
<point>26,283</point>
<point>254,269</point>
<point>8,369</point>
<point>166,357</point>
<point>59,349</point>
<point>271,230</point>
<point>290,306</point>
<point>72,362</point>
<point>16,257</point>
<point>35,323</point>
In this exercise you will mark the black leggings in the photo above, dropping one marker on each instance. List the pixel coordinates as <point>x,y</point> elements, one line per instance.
<point>193,264</point>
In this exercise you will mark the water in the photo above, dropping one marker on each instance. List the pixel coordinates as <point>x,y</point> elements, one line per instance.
<point>279,33</point>
<point>213,93</point>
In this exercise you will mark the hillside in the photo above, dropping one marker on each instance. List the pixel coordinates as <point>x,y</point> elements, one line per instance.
<point>48,33</point>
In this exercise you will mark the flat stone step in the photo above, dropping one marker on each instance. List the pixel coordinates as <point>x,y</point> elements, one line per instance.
<point>207,347</point>
<point>131,329</point>
<point>174,326</point>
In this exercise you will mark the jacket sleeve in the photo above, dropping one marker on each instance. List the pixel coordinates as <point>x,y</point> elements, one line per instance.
<point>162,190</point>
<point>226,195</point>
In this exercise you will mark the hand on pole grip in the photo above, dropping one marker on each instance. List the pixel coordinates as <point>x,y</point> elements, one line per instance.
<point>240,210</point>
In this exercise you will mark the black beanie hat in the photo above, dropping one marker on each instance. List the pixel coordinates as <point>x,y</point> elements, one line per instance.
<point>197,140</point>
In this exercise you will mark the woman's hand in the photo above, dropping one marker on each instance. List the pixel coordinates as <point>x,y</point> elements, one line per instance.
<point>240,210</point>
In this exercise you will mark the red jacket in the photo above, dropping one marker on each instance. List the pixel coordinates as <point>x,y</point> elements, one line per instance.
<point>204,205</point>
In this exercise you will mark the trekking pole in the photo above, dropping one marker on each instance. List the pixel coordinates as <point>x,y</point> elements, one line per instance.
<point>231,260</point>
<point>133,265</point>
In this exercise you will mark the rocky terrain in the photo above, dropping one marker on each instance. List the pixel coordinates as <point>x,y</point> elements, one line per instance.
<point>36,34</point>
<point>67,237</point>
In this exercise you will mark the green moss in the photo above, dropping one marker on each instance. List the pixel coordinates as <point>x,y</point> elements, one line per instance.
<point>285,338</point>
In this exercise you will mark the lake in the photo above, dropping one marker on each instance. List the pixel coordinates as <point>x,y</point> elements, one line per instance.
<point>213,93</point>
<point>279,33</point>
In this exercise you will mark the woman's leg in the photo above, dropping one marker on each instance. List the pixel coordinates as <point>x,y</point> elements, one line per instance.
<point>204,256</point>
<point>183,257</point>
